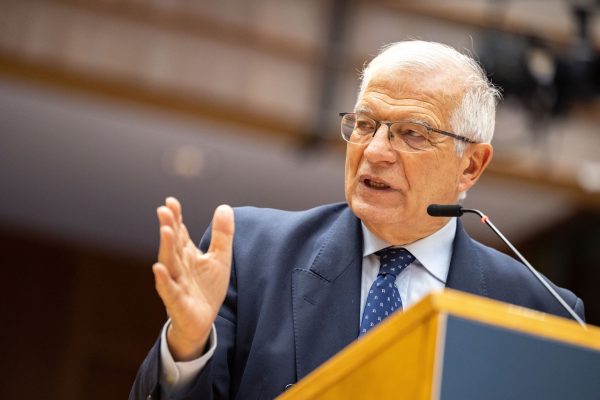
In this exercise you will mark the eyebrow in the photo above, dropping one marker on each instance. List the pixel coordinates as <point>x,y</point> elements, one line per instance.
<point>366,110</point>
<point>363,110</point>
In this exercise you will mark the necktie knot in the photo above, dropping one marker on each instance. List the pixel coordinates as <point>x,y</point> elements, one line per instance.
<point>393,260</point>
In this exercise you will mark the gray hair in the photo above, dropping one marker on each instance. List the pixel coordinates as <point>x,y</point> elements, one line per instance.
<point>474,117</point>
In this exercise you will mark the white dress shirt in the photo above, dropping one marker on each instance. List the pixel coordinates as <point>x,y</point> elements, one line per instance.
<point>426,274</point>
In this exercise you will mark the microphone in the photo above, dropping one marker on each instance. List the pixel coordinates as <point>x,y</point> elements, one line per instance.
<point>456,210</point>
<point>447,210</point>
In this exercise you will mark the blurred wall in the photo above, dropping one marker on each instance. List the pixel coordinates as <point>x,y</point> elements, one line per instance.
<point>107,107</point>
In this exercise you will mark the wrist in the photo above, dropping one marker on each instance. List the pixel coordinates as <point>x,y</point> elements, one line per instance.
<point>184,349</point>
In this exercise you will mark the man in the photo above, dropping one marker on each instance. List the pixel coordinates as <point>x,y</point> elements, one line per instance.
<point>254,313</point>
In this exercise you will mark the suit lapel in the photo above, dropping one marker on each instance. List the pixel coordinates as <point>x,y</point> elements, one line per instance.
<point>466,272</point>
<point>326,296</point>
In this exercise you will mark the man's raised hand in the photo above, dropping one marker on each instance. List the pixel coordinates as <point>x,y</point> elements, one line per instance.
<point>192,284</point>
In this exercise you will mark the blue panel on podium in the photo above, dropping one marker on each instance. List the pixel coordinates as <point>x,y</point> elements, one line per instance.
<point>486,362</point>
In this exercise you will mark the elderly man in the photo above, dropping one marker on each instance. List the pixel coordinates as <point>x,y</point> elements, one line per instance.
<point>254,313</point>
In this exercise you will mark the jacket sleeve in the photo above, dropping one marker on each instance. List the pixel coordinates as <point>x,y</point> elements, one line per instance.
<point>146,384</point>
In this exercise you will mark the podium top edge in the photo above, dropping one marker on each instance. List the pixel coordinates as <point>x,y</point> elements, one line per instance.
<point>509,316</point>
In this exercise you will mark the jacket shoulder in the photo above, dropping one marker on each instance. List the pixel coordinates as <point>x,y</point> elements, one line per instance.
<point>272,216</point>
<point>510,280</point>
<point>269,225</point>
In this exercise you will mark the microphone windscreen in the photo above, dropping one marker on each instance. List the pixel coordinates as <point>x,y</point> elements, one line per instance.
<point>445,210</point>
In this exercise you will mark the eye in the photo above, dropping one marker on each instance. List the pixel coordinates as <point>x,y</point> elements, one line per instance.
<point>413,135</point>
<point>364,125</point>
<point>411,132</point>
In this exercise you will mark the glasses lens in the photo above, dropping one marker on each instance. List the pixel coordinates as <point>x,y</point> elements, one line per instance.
<point>404,136</point>
<point>357,129</point>
<point>410,137</point>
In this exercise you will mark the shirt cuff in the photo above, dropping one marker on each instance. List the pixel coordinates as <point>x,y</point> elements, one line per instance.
<point>176,377</point>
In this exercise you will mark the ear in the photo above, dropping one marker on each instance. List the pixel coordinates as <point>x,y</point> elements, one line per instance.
<point>476,158</point>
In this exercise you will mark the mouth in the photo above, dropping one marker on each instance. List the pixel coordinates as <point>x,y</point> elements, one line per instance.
<point>375,183</point>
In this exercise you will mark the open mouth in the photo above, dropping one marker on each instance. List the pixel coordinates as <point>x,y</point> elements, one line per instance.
<point>375,185</point>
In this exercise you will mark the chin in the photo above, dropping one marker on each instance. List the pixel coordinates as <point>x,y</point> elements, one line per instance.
<point>373,214</point>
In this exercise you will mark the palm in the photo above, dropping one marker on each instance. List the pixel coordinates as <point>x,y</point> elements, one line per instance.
<point>202,287</point>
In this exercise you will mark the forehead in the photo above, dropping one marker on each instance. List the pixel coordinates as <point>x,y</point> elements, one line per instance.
<point>405,94</point>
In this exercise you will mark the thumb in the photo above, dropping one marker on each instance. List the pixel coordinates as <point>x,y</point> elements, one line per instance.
<point>222,234</point>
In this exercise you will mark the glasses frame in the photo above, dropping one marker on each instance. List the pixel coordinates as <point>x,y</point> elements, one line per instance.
<point>390,123</point>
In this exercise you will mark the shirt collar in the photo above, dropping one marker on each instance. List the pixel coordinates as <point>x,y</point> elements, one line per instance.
<point>433,252</point>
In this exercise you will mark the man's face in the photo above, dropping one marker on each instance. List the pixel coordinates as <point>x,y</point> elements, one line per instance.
<point>390,190</point>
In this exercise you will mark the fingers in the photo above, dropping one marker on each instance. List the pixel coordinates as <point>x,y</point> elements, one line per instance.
<point>174,238</point>
<point>182,236</point>
<point>165,286</point>
<point>222,234</point>
<point>167,252</point>
<point>175,207</point>
<point>177,253</point>
<point>171,214</point>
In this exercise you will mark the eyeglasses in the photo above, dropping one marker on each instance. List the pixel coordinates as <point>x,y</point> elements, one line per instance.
<point>406,136</point>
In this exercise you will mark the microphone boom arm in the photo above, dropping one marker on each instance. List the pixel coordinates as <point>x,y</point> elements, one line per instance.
<point>539,276</point>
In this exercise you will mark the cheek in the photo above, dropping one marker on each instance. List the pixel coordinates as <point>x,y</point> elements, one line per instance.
<point>418,170</point>
<point>443,175</point>
<point>353,157</point>
<point>430,175</point>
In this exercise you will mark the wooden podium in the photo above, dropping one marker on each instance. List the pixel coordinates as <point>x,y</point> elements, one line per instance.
<point>455,346</point>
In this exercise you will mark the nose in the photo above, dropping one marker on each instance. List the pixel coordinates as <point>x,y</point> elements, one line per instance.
<point>380,149</point>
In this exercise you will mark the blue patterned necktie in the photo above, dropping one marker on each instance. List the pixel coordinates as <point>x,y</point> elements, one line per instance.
<point>384,298</point>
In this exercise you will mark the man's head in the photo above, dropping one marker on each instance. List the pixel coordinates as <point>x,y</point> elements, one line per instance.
<point>389,188</point>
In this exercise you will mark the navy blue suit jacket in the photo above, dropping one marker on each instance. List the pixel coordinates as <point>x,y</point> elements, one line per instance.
<point>294,299</point>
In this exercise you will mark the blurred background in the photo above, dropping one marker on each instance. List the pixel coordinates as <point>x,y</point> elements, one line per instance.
<point>109,106</point>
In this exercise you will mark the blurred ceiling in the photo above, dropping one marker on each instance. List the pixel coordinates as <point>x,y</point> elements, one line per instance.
<point>109,106</point>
